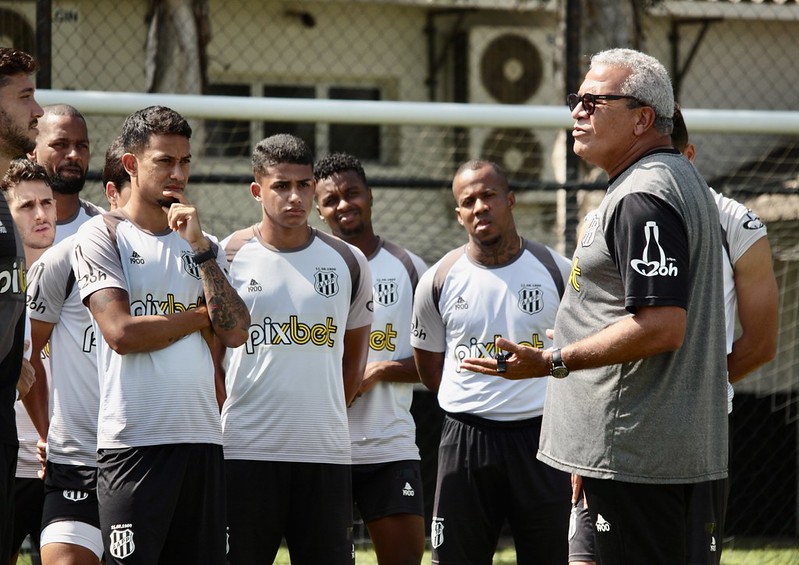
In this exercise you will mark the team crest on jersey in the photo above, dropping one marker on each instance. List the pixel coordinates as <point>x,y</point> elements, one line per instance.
<point>531,299</point>
<point>326,282</point>
<point>76,495</point>
<point>189,265</point>
<point>121,537</point>
<point>592,225</point>
<point>386,292</point>
<point>437,532</point>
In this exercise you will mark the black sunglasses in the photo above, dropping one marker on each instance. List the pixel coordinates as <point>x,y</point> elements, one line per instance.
<point>589,100</point>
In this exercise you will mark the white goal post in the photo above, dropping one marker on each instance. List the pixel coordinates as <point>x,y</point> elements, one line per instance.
<point>396,113</point>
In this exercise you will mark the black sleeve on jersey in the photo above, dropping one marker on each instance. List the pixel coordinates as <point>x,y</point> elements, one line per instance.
<point>649,244</point>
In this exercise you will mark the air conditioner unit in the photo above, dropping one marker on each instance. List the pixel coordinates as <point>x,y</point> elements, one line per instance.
<point>509,65</point>
<point>17,25</point>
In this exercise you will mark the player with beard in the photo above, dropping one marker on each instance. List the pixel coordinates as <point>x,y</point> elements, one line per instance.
<point>19,113</point>
<point>497,285</point>
<point>386,476</point>
<point>62,148</point>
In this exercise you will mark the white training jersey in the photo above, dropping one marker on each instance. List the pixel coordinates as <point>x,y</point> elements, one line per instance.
<point>54,298</point>
<point>381,425</point>
<point>285,390</point>
<point>740,228</point>
<point>27,463</point>
<point>460,309</point>
<point>158,397</point>
<point>69,227</point>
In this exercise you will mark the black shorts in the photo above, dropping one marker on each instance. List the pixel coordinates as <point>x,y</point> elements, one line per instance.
<point>488,473</point>
<point>310,504</point>
<point>8,467</point>
<point>581,534</point>
<point>162,504</point>
<point>385,489</point>
<point>28,502</point>
<point>70,494</point>
<point>706,510</point>
<point>638,523</point>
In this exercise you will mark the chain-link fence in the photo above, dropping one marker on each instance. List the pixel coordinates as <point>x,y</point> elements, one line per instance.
<point>721,54</point>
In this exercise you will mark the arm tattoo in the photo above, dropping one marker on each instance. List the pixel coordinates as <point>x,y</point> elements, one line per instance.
<point>225,308</point>
<point>100,300</point>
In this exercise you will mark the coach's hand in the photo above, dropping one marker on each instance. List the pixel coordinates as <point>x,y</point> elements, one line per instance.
<point>524,363</point>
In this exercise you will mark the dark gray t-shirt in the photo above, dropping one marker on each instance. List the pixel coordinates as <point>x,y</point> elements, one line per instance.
<point>654,241</point>
<point>12,320</point>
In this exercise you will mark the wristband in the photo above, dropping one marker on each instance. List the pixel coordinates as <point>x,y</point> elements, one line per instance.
<point>207,255</point>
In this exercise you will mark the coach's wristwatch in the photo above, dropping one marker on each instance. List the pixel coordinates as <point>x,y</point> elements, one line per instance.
<point>207,255</point>
<point>557,368</point>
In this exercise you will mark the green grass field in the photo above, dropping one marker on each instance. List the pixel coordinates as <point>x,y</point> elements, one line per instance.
<point>739,552</point>
<point>745,552</point>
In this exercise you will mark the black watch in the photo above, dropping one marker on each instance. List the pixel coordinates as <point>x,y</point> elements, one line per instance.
<point>207,255</point>
<point>557,367</point>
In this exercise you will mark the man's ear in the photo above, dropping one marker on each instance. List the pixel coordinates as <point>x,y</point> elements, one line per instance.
<point>130,163</point>
<point>645,121</point>
<point>690,152</point>
<point>458,215</point>
<point>111,194</point>
<point>255,190</point>
<point>318,211</point>
<point>511,199</point>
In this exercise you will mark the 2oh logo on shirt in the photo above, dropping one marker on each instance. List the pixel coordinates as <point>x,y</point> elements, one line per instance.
<point>752,221</point>
<point>653,261</point>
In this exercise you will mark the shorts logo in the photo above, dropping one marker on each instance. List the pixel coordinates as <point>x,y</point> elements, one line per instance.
<point>407,490</point>
<point>122,544</point>
<point>713,544</point>
<point>602,525</point>
<point>75,495</point>
<point>437,532</point>
<point>531,300</point>
<point>326,283</point>
<point>385,293</point>
<point>653,261</point>
<point>461,304</point>
<point>254,286</point>
<point>136,259</point>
